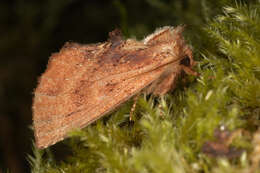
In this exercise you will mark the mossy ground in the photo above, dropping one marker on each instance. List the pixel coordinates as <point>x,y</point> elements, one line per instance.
<point>168,133</point>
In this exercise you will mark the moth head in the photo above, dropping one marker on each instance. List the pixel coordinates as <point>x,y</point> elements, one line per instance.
<point>186,61</point>
<point>169,41</point>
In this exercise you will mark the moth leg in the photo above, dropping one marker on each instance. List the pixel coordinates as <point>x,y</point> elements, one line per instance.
<point>133,107</point>
<point>189,71</point>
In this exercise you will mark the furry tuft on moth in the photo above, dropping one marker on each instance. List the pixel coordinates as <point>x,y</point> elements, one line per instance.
<point>84,82</point>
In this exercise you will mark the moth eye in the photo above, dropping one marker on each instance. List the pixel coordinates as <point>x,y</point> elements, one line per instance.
<point>185,61</point>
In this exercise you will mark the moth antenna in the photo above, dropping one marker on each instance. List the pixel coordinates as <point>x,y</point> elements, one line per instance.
<point>133,107</point>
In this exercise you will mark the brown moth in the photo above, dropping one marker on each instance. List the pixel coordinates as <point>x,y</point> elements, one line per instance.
<point>84,82</point>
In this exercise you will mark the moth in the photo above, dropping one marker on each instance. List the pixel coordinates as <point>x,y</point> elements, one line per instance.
<point>84,82</point>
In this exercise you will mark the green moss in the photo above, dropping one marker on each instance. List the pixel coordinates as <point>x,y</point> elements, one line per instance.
<point>168,132</point>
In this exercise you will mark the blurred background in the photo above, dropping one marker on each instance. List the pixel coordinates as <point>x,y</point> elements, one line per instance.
<point>30,31</point>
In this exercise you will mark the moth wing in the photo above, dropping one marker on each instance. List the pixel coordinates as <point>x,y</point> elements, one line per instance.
<point>74,91</point>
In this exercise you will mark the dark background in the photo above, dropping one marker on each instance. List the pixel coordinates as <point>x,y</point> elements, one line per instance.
<point>31,30</point>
